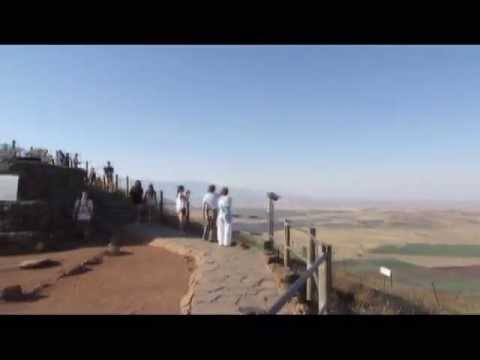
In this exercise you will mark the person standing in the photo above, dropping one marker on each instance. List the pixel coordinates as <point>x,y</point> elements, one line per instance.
<point>58,158</point>
<point>187,199</point>
<point>224,219</point>
<point>67,160</point>
<point>83,215</point>
<point>136,195</point>
<point>108,170</point>
<point>76,162</point>
<point>93,176</point>
<point>61,158</point>
<point>209,211</point>
<point>181,207</point>
<point>150,200</point>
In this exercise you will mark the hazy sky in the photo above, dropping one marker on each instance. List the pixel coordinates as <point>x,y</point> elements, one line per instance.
<point>341,121</point>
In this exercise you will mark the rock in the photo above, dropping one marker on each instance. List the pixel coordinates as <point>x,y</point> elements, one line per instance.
<point>96,260</point>
<point>76,270</point>
<point>38,264</point>
<point>12,293</point>
<point>39,288</point>
<point>113,249</point>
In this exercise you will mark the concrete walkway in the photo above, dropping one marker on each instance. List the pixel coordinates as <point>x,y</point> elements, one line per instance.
<point>224,279</point>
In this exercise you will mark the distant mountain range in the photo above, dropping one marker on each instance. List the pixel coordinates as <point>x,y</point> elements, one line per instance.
<point>255,199</point>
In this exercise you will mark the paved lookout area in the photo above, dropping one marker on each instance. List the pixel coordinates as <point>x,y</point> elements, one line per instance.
<point>225,278</point>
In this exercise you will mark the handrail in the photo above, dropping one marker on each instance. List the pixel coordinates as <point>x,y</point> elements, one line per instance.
<point>292,291</point>
<point>301,257</point>
<point>300,230</point>
<point>323,280</point>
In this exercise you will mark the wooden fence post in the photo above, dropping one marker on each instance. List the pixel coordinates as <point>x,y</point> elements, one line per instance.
<point>286,253</point>
<point>329,268</point>
<point>86,166</point>
<point>161,203</point>
<point>116,182</point>
<point>104,183</point>
<point>310,261</point>
<point>322,284</point>
<point>126,190</point>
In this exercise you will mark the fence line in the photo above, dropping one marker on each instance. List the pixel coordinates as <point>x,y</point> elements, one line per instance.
<point>318,260</point>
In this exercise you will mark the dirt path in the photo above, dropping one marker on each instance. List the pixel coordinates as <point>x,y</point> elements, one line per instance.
<point>147,280</point>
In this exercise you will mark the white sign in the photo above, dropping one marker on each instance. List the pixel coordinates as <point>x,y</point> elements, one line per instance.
<point>385,271</point>
<point>8,187</point>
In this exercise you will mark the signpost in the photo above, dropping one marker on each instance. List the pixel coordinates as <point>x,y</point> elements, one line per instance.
<point>387,273</point>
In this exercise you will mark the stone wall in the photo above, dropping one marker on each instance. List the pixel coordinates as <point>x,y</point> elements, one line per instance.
<point>41,181</point>
<point>45,190</point>
<point>25,216</point>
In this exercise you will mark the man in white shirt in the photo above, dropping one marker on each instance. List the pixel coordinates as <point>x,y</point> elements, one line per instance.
<point>209,210</point>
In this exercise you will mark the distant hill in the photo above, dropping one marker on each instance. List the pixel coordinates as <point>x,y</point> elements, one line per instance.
<point>256,199</point>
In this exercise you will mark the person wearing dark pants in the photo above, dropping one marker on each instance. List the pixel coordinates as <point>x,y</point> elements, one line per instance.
<point>108,170</point>
<point>151,202</point>
<point>136,195</point>
<point>209,210</point>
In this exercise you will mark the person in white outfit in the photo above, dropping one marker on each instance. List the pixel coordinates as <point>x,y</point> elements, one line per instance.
<point>224,218</point>
<point>83,214</point>
<point>181,207</point>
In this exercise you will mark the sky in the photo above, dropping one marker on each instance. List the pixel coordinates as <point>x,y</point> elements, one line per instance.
<point>373,122</point>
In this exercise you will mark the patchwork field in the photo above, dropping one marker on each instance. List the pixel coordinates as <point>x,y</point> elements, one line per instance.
<point>420,246</point>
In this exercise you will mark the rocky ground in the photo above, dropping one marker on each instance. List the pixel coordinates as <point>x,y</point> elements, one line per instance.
<point>141,280</point>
